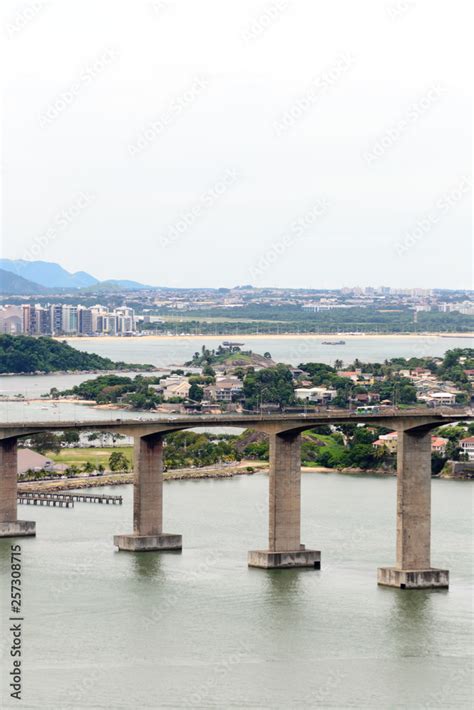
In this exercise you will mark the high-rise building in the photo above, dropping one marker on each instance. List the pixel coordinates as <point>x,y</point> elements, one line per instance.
<point>69,319</point>
<point>85,321</point>
<point>56,311</point>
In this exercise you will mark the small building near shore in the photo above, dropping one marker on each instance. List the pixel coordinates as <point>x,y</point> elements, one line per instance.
<point>29,460</point>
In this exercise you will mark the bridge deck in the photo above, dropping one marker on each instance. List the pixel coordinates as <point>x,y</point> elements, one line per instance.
<point>389,417</point>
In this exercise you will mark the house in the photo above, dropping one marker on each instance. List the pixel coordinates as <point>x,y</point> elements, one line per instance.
<point>357,376</point>
<point>225,389</point>
<point>390,442</point>
<point>437,399</point>
<point>316,395</point>
<point>178,389</point>
<point>296,373</point>
<point>366,397</point>
<point>351,375</point>
<point>438,445</point>
<point>32,460</point>
<point>467,445</point>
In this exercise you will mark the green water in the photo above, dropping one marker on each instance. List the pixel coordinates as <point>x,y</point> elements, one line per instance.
<point>107,629</point>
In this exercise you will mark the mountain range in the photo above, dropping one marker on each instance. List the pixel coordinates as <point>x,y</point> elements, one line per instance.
<point>21,277</point>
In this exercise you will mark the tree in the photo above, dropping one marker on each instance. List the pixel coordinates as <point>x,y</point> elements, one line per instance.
<point>118,461</point>
<point>45,441</point>
<point>70,437</point>
<point>273,385</point>
<point>88,467</point>
<point>437,463</point>
<point>196,393</point>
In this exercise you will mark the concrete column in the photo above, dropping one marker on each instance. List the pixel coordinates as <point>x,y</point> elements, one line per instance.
<point>413,566</point>
<point>284,546</point>
<point>148,500</point>
<point>10,526</point>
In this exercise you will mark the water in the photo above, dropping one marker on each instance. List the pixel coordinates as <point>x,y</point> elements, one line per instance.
<point>164,352</point>
<point>107,629</point>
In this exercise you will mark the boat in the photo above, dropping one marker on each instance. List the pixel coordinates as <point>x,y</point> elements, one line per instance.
<point>333,342</point>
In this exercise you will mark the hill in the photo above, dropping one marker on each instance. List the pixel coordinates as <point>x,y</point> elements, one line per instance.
<point>49,275</point>
<point>230,357</point>
<point>12,283</point>
<point>24,354</point>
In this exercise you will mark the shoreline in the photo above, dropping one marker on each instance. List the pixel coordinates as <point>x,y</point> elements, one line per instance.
<point>271,336</point>
<point>121,479</point>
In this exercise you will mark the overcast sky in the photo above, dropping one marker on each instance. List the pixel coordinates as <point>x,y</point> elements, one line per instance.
<point>224,142</point>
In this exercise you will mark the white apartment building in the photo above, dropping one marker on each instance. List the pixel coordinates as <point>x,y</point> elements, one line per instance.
<point>315,394</point>
<point>467,445</point>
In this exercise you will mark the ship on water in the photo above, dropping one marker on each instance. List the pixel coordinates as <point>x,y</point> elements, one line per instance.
<point>333,342</point>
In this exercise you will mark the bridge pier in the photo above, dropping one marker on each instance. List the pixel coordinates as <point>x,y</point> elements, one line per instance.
<point>10,526</point>
<point>413,566</point>
<point>148,500</point>
<point>284,546</point>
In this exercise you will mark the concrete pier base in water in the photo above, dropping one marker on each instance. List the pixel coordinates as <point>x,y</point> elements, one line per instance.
<point>10,526</point>
<point>148,501</point>
<point>413,579</point>
<point>18,528</point>
<point>145,543</point>
<point>267,559</point>
<point>285,550</point>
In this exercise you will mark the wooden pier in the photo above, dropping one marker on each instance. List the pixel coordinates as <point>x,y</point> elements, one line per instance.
<point>45,500</point>
<point>78,497</point>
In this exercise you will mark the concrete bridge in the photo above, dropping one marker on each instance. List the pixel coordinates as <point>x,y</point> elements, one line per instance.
<point>413,518</point>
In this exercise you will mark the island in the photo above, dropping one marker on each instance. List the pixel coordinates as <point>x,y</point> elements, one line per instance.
<point>22,354</point>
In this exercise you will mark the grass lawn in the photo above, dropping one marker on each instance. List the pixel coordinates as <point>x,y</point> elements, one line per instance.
<point>78,456</point>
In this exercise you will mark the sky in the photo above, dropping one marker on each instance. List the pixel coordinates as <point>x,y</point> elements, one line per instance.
<point>289,143</point>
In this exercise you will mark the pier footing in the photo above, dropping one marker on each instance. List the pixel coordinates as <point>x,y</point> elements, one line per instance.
<point>144,543</point>
<point>18,528</point>
<point>413,579</point>
<point>284,560</point>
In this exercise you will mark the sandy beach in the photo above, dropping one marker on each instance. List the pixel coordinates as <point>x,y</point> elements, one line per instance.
<point>272,336</point>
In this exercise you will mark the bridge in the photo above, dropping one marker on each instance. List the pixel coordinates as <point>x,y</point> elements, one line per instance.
<point>412,569</point>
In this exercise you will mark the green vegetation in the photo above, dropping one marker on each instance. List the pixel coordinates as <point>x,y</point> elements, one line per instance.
<point>118,462</point>
<point>263,319</point>
<point>271,386</point>
<point>112,389</point>
<point>97,457</point>
<point>25,354</point>
<point>187,448</point>
<point>230,356</point>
